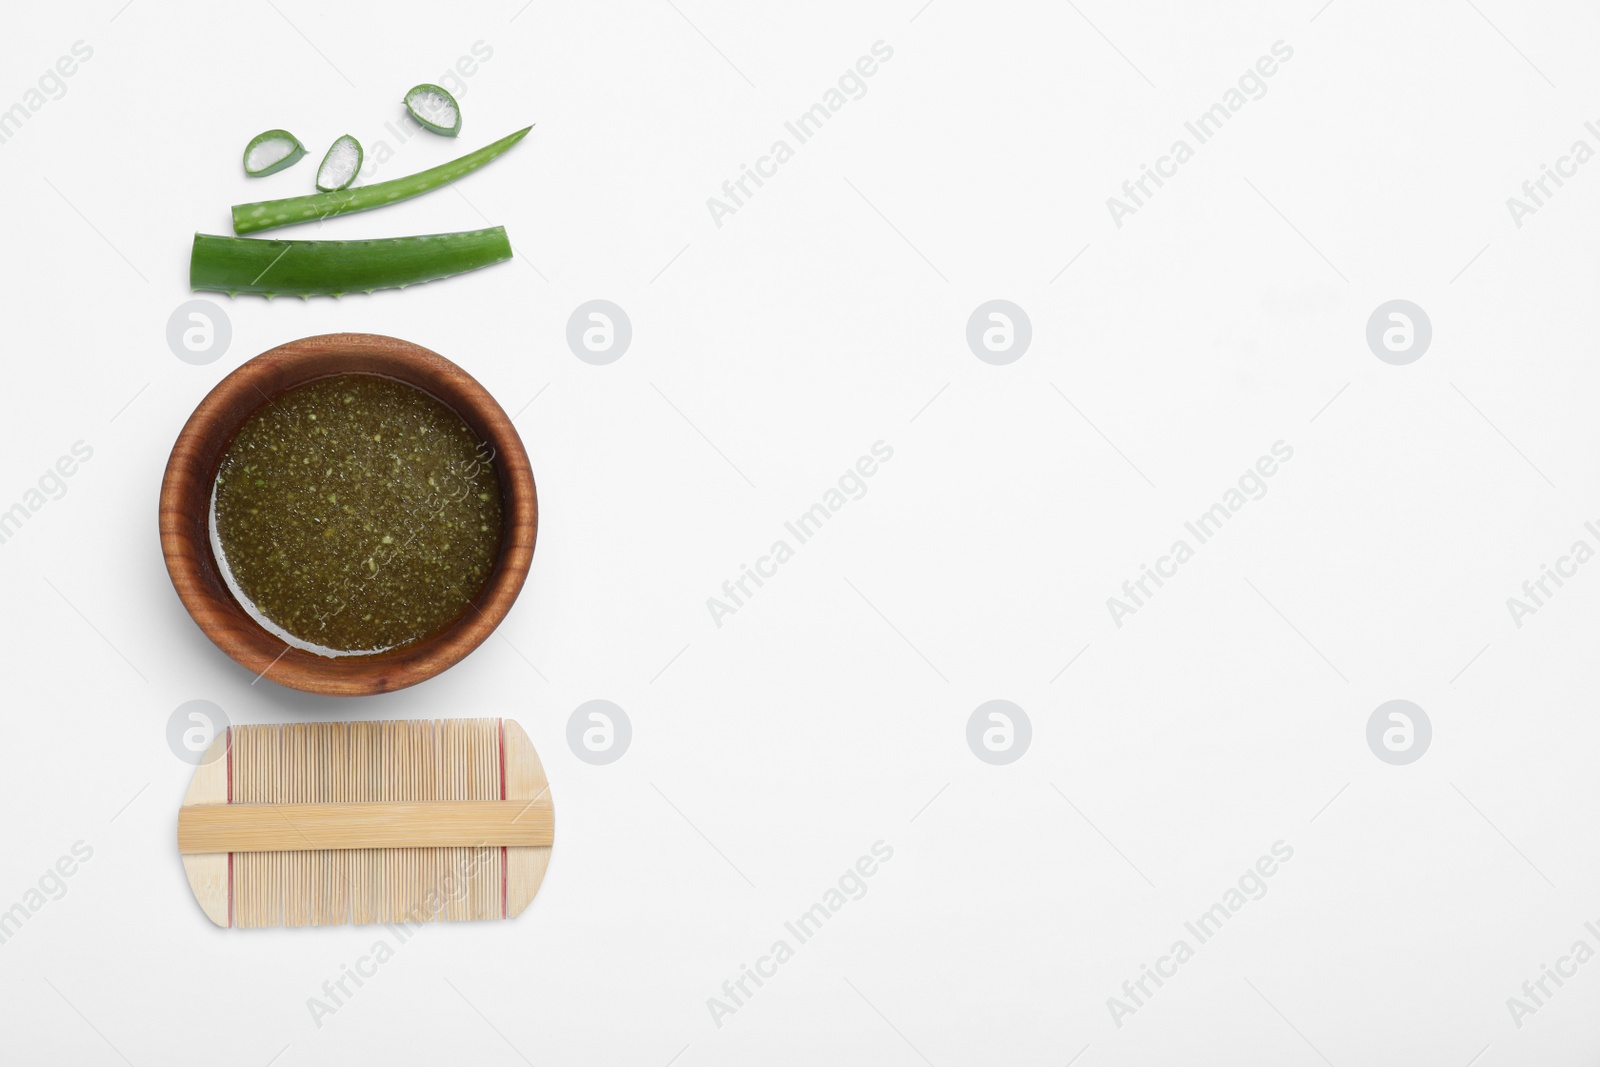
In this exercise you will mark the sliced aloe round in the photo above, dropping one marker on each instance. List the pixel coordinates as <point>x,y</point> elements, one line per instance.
<point>436,109</point>
<point>270,152</point>
<point>340,165</point>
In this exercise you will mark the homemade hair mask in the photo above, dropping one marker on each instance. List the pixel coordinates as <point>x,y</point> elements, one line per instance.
<point>259,405</point>
<point>356,514</point>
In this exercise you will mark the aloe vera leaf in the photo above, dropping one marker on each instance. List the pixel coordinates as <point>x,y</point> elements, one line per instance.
<point>270,214</point>
<point>271,267</point>
<point>270,152</point>
<point>434,108</point>
<point>341,165</point>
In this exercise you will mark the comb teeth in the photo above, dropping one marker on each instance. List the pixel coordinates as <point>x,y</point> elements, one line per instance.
<point>392,760</point>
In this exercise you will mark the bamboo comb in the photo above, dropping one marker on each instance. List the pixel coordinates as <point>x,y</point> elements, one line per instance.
<point>321,824</point>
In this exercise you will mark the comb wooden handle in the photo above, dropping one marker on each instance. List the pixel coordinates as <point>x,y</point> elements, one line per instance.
<point>391,824</point>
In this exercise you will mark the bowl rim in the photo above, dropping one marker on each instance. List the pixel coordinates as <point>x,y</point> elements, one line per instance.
<point>185,504</point>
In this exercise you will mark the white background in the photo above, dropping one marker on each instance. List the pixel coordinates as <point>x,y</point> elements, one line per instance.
<point>826,314</point>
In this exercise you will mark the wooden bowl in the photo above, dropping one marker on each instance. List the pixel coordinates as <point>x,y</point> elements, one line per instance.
<point>192,471</point>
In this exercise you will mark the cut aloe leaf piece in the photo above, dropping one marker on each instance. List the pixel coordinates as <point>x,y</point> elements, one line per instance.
<point>269,267</point>
<point>340,165</point>
<point>313,207</point>
<point>436,109</point>
<point>270,152</point>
